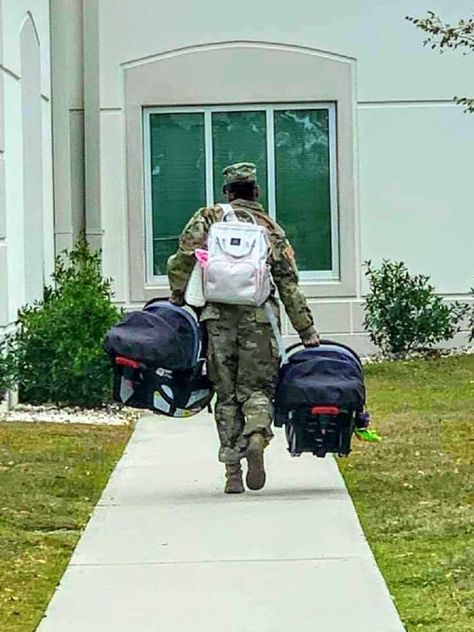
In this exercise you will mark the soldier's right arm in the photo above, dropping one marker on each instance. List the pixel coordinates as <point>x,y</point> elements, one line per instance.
<point>181,264</point>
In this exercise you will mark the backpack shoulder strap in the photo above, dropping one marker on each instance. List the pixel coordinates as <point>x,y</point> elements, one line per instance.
<point>267,221</point>
<point>229,213</point>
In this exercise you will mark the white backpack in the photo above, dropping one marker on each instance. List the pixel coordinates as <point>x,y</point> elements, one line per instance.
<point>237,272</point>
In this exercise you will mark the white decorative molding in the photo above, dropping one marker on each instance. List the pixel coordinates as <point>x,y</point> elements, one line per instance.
<point>196,48</point>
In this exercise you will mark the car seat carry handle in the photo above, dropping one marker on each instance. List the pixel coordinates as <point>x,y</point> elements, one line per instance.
<point>323,341</point>
<point>276,332</point>
<point>285,351</point>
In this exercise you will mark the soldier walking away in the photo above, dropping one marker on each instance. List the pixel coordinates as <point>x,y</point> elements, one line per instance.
<point>243,353</point>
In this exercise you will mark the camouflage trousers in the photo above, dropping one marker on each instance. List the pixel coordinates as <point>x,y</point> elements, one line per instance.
<point>243,366</point>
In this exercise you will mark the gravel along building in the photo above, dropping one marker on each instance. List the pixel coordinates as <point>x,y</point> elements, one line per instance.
<point>118,116</point>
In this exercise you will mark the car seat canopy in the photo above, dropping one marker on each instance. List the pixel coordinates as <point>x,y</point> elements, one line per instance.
<point>162,335</point>
<point>328,375</point>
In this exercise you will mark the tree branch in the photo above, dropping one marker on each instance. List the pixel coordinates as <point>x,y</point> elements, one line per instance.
<point>444,36</point>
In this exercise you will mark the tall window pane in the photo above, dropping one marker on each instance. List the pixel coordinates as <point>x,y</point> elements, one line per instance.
<point>178,180</point>
<point>239,137</point>
<point>303,184</point>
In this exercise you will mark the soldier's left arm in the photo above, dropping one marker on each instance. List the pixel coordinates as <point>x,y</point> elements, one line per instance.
<point>181,264</point>
<point>285,275</point>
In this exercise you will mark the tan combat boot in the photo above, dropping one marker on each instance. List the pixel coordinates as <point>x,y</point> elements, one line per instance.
<point>256,476</point>
<point>234,483</point>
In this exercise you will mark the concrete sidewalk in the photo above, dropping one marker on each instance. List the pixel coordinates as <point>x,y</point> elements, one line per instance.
<point>167,551</point>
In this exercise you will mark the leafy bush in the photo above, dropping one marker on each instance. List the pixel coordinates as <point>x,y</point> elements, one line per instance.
<point>57,347</point>
<point>403,313</point>
<point>5,369</point>
<point>471,319</point>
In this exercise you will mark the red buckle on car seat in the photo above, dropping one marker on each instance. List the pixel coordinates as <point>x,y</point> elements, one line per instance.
<point>121,361</point>
<point>325,410</point>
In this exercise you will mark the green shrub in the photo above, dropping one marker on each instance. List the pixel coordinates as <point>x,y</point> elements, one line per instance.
<point>57,345</point>
<point>471,319</point>
<point>403,313</point>
<point>5,369</point>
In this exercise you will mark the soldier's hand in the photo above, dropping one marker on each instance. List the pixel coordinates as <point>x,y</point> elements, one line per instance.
<point>311,341</point>
<point>177,298</point>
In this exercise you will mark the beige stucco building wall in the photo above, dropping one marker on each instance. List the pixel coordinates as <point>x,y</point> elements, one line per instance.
<point>26,204</point>
<point>68,119</point>
<point>404,148</point>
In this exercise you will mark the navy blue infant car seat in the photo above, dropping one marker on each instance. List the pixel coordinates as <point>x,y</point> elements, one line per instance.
<point>158,361</point>
<point>320,399</point>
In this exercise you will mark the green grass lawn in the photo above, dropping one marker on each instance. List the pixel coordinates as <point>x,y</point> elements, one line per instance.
<point>414,491</point>
<point>51,476</point>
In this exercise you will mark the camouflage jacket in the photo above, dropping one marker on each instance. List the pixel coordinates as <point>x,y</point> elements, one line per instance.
<point>282,263</point>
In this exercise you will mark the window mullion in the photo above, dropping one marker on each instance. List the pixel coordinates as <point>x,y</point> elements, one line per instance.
<point>148,196</point>
<point>333,196</point>
<point>271,164</point>
<point>209,153</point>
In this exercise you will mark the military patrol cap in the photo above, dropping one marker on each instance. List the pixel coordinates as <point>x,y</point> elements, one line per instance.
<point>240,172</point>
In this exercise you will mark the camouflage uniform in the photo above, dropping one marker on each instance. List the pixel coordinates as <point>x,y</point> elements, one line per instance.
<point>243,355</point>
